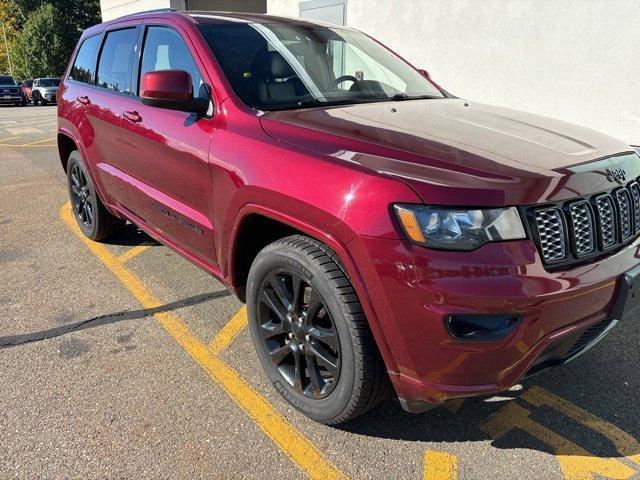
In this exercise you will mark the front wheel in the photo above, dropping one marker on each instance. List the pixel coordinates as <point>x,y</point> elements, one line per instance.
<point>310,332</point>
<point>95,221</point>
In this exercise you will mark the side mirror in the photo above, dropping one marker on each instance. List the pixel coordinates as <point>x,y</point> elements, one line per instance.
<point>173,90</point>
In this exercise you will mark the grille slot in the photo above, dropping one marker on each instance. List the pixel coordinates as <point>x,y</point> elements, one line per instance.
<point>635,201</point>
<point>623,200</point>
<point>604,207</point>
<point>582,223</point>
<point>551,234</point>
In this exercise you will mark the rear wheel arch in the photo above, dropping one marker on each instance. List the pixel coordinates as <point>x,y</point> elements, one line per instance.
<point>66,145</point>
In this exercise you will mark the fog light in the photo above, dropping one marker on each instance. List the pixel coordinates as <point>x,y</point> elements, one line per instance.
<point>482,327</point>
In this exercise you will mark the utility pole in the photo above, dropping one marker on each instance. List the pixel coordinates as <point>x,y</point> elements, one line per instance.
<point>6,45</point>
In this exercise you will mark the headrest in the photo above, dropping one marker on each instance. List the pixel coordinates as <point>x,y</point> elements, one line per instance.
<point>271,65</point>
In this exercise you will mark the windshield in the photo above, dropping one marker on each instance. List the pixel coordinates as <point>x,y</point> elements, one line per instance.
<point>49,82</point>
<point>7,80</point>
<point>282,66</point>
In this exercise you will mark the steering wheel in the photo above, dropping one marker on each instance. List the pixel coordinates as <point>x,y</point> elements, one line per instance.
<point>344,78</point>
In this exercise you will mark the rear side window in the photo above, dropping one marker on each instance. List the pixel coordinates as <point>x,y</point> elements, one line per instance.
<point>114,68</point>
<point>164,49</point>
<point>83,69</point>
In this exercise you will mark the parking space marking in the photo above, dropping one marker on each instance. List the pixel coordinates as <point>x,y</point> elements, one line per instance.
<point>440,466</point>
<point>39,141</point>
<point>135,251</point>
<point>291,442</point>
<point>625,444</point>
<point>576,463</point>
<point>229,332</point>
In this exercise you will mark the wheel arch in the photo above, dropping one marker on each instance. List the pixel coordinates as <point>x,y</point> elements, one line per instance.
<point>66,145</point>
<point>249,220</point>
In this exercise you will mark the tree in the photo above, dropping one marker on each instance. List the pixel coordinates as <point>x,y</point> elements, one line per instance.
<point>44,45</point>
<point>8,19</point>
<point>50,31</point>
<point>79,14</point>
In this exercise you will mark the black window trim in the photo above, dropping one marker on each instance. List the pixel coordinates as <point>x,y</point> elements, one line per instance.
<point>95,62</point>
<point>138,60</point>
<point>131,60</point>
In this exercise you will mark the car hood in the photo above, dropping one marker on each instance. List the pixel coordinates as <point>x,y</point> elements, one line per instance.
<point>458,152</point>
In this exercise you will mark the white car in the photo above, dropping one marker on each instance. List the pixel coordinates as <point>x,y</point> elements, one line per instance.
<point>44,90</point>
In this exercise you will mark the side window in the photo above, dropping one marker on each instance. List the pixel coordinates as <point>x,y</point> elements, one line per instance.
<point>165,49</point>
<point>84,65</point>
<point>114,68</point>
<point>36,83</point>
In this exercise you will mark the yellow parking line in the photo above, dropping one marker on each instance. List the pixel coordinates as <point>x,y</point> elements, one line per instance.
<point>292,443</point>
<point>7,139</point>
<point>134,252</point>
<point>28,146</point>
<point>440,466</point>
<point>38,141</point>
<point>229,332</point>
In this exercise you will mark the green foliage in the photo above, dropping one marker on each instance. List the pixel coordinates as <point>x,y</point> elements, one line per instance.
<point>50,31</point>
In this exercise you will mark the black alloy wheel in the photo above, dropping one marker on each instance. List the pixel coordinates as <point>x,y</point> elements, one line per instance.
<point>95,221</point>
<point>310,332</point>
<point>299,334</point>
<point>81,197</point>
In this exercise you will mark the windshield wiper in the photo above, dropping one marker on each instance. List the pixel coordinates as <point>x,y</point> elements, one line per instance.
<point>399,97</point>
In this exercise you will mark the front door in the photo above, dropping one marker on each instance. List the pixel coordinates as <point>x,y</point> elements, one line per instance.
<point>167,153</point>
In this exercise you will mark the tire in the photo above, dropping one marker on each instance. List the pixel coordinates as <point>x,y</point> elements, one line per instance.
<point>355,379</point>
<point>34,99</point>
<point>95,221</point>
<point>23,103</point>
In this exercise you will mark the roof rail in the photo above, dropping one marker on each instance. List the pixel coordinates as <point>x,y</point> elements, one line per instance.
<point>157,10</point>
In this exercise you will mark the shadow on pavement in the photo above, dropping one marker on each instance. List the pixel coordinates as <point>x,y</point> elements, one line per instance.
<point>596,410</point>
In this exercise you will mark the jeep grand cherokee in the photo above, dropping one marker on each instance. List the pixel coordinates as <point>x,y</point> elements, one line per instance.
<point>381,231</point>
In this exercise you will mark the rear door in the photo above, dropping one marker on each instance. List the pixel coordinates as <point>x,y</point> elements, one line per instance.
<point>91,99</point>
<point>167,151</point>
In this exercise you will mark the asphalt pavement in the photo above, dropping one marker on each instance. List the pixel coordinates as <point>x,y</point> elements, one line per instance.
<point>125,361</point>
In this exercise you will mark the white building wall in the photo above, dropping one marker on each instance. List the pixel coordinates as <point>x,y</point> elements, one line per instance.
<point>576,60</point>
<point>117,8</point>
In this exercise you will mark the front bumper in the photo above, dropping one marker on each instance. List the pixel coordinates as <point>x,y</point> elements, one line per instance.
<point>413,289</point>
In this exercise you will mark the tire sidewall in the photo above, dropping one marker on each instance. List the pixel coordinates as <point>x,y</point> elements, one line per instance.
<point>76,159</point>
<point>340,398</point>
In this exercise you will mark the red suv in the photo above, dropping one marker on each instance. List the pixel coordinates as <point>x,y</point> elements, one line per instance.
<point>381,231</point>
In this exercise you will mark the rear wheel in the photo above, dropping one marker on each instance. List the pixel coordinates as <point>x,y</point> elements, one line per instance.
<point>34,98</point>
<point>310,332</point>
<point>95,221</point>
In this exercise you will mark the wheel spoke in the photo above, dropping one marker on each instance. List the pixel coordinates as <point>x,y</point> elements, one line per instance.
<point>89,212</point>
<point>298,292</point>
<point>75,189</point>
<point>271,300</point>
<point>314,375</point>
<point>280,289</point>
<point>324,358</point>
<point>326,336</point>
<point>314,304</point>
<point>273,329</point>
<point>279,354</point>
<point>298,371</point>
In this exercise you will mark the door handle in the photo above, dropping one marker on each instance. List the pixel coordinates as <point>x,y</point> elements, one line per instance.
<point>83,99</point>
<point>132,116</point>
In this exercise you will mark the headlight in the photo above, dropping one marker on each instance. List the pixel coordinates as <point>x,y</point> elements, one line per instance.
<point>459,228</point>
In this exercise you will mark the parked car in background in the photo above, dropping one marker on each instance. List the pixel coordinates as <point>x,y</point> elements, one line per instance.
<point>382,231</point>
<point>26,88</point>
<point>11,92</point>
<point>44,90</point>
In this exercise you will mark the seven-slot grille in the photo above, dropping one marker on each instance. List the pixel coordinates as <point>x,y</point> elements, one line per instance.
<point>585,227</point>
